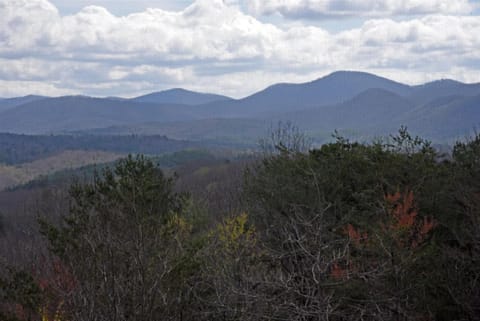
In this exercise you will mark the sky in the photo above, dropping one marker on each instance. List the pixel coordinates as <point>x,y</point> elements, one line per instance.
<point>234,47</point>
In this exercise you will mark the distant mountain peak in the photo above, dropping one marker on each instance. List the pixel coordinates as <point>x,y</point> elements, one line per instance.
<point>180,90</point>
<point>34,96</point>
<point>349,73</point>
<point>352,74</point>
<point>180,96</point>
<point>443,83</point>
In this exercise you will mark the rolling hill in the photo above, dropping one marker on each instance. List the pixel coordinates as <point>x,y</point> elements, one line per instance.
<point>53,115</point>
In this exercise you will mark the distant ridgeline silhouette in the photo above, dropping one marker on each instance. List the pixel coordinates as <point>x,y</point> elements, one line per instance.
<point>357,103</point>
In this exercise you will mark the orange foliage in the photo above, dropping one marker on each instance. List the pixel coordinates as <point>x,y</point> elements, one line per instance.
<point>393,198</point>
<point>355,235</point>
<point>405,212</point>
<point>337,272</point>
<point>404,209</point>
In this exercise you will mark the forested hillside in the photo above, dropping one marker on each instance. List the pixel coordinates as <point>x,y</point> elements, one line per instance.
<point>16,149</point>
<point>25,158</point>
<point>382,231</point>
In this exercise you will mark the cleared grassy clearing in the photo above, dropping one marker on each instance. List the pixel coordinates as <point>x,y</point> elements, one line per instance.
<point>11,176</point>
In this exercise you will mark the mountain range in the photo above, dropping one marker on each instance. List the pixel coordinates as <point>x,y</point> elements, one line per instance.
<point>358,103</point>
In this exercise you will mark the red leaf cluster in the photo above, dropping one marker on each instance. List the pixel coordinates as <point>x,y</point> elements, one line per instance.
<point>355,235</point>
<point>405,213</point>
<point>337,272</point>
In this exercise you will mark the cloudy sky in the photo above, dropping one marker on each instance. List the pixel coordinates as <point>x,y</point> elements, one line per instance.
<point>234,47</point>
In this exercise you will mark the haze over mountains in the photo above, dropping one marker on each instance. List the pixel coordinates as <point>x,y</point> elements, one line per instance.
<point>7,103</point>
<point>180,96</point>
<point>358,103</point>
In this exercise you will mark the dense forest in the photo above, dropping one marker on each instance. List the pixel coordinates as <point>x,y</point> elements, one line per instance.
<point>388,230</point>
<point>15,149</point>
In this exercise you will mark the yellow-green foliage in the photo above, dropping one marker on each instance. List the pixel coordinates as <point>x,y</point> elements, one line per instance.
<point>202,171</point>
<point>57,315</point>
<point>235,233</point>
<point>178,227</point>
<point>209,170</point>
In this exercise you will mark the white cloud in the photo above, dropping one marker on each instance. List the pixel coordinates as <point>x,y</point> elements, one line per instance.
<point>347,8</point>
<point>20,88</point>
<point>429,43</point>
<point>213,46</point>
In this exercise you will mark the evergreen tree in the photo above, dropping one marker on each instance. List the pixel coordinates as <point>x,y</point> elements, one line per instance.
<point>123,241</point>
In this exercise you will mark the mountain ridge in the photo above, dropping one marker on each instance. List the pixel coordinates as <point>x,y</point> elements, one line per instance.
<point>345,99</point>
<point>180,96</point>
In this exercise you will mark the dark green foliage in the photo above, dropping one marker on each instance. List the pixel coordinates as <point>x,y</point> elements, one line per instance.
<point>2,223</point>
<point>15,149</point>
<point>348,231</point>
<point>349,178</point>
<point>20,296</point>
<point>326,213</point>
<point>124,243</point>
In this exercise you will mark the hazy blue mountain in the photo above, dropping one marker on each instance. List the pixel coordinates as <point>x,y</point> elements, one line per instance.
<point>379,112</point>
<point>180,96</point>
<point>332,89</point>
<point>230,130</point>
<point>352,101</point>
<point>8,103</point>
<point>374,108</point>
<point>446,119</point>
<point>116,98</point>
<point>442,88</point>
<point>78,112</point>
